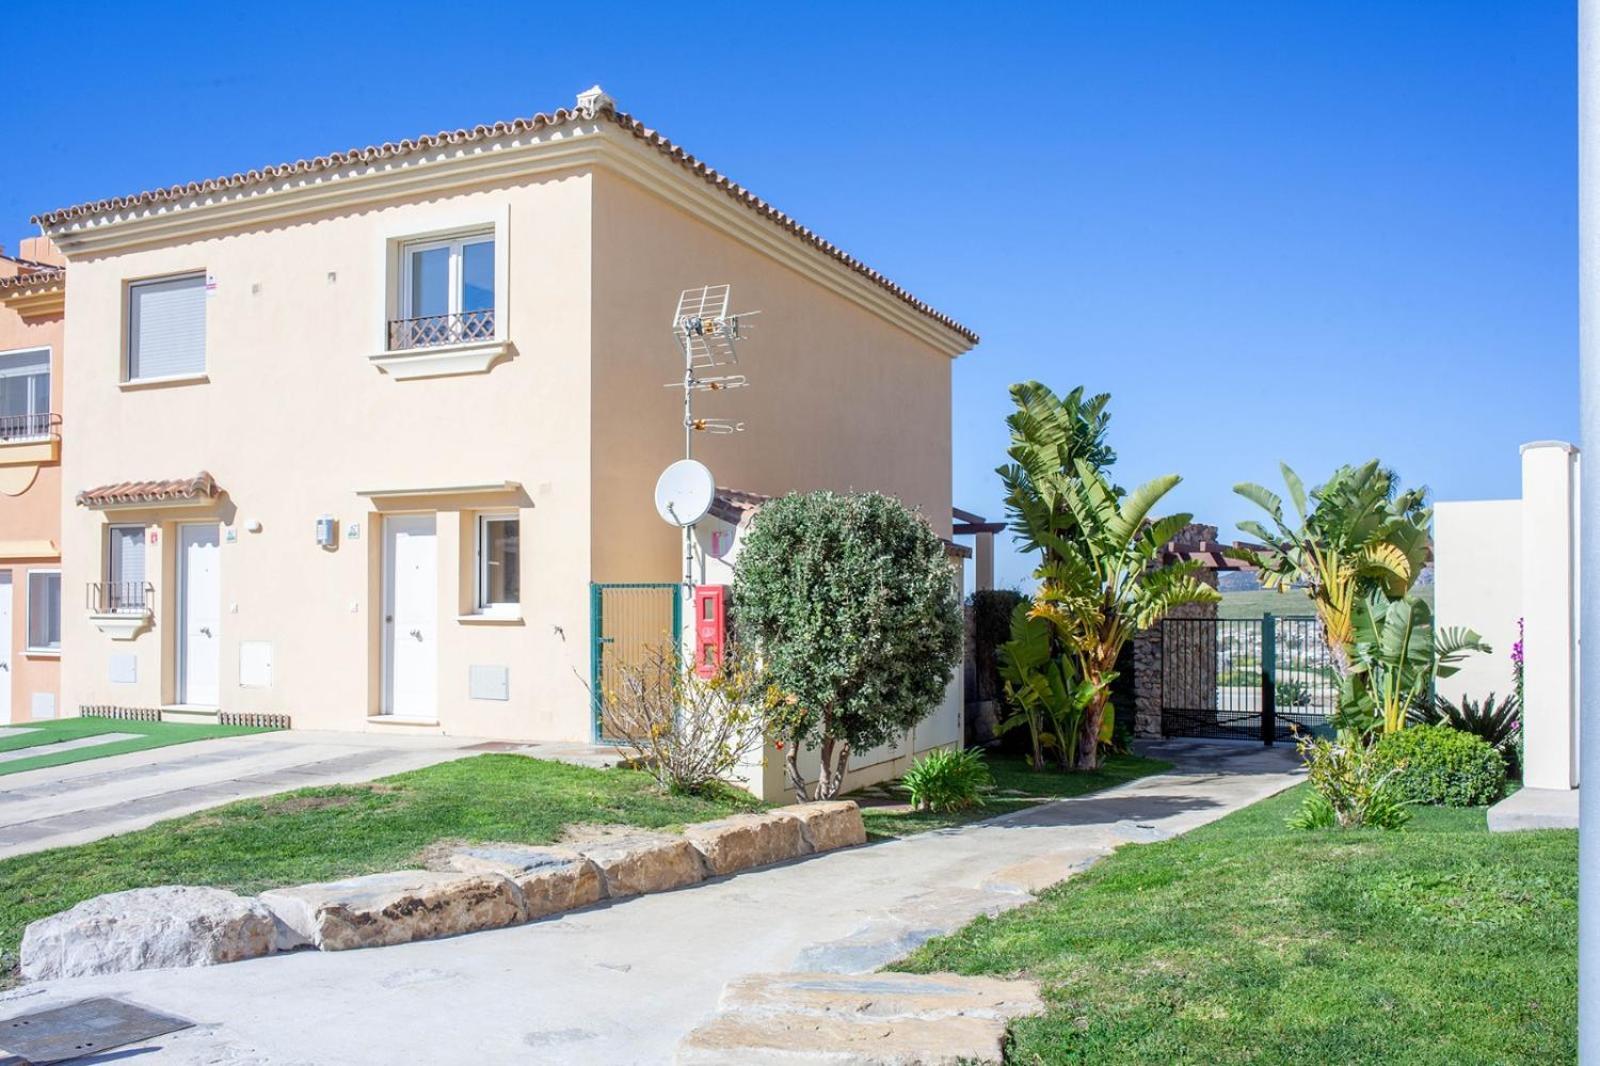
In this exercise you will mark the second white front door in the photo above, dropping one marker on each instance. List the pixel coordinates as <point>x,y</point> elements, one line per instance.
<point>410,617</point>
<point>5,646</point>
<point>199,614</point>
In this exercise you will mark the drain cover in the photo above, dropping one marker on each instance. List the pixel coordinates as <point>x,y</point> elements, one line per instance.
<point>88,1027</point>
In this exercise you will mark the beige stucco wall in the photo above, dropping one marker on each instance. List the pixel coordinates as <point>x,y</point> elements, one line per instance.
<point>1477,566</point>
<point>30,505</point>
<point>293,422</point>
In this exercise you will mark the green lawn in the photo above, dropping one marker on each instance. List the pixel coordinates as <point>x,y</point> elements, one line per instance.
<point>317,834</point>
<point>1016,786</point>
<point>1245,942</point>
<point>42,735</point>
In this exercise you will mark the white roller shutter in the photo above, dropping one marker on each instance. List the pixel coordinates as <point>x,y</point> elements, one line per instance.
<point>167,327</point>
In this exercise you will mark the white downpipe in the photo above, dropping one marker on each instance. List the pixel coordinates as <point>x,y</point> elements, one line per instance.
<point>1589,510</point>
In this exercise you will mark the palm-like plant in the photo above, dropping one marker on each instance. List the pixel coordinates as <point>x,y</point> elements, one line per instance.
<point>1363,534</point>
<point>1047,699</point>
<point>1394,659</point>
<point>1104,582</point>
<point>1049,435</point>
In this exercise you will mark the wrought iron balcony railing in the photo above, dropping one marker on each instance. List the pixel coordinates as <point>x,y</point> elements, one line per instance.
<point>430,332</point>
<point>120,597</point>
<point>41,426</point>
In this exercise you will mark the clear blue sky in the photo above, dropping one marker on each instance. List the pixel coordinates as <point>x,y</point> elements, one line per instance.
<point>1315,232</point>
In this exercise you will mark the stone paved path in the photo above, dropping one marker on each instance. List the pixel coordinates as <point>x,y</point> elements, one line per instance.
<point>623,983</point>
<point>85,801</point>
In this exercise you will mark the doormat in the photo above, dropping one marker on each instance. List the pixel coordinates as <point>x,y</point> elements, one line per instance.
<point>77,1030</point>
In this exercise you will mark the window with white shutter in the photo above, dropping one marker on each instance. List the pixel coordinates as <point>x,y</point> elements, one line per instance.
<point>167,327</point>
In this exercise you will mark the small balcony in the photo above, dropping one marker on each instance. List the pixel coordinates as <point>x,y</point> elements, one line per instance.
<point>434,331</point>
<point>120,609</point>
<point>23,429</point>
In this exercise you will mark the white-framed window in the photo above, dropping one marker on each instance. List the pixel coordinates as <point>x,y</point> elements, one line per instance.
<point>447,292</point>
<point>125,569</point>
<point>44,611</point>
<point>166,328</point>
<point>25,394</point>
<point>499,562</point>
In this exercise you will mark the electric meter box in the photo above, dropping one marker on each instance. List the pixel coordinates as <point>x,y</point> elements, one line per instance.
<point>327,531</point>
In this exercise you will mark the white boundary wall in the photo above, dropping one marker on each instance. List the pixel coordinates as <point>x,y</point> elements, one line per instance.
<point>1500,560</point>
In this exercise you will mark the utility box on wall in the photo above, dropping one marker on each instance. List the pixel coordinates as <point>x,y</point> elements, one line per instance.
<point>710,628</point>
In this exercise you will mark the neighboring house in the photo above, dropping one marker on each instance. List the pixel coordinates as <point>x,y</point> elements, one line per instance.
<point>32,298</point>
<point>367,427</point>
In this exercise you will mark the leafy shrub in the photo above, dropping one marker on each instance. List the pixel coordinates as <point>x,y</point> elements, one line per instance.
<point>1443,766</point>
<point>948,780</point>
<point>850,602</point>
<point>1292,693</point>
<point>991,627</point>
<point>688,732</point>
<point>1349,788</point>
<point>1497,723</point>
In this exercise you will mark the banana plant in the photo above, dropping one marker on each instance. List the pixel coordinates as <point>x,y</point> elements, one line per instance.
<point>1394,660</point>
<point>1363,534</point>
<point>1040,685</point>
<point>1049,435</point>
<point>1105,581</point>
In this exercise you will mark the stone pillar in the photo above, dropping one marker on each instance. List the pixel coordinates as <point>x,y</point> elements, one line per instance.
<point>983,561</point>
<point>1549,614</point>
<point>1198,650</point>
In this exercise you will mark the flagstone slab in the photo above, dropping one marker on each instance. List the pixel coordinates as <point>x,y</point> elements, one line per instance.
<point>828,824</point>
<point>393,908</point>
<point>741,841</point>
<point>634,865</point>
<point>550,880</point>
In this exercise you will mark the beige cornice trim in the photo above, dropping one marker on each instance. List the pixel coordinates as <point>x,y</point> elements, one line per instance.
<point>40,302</point>
<point>457,167</point>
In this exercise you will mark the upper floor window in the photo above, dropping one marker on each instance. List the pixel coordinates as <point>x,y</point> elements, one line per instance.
<point>446,292</point>
<point>167,328</point>
<point>25,394</point>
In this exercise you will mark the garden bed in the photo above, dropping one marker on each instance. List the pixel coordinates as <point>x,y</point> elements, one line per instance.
<point>1244,941</point>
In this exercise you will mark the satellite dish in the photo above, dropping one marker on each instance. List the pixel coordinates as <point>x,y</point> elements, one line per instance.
<point>684,492</point>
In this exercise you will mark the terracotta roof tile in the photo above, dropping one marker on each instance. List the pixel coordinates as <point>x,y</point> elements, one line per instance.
<point>733,505</point>
<point>445,138</point>
<point>134,493</point>
<point>40,275</point>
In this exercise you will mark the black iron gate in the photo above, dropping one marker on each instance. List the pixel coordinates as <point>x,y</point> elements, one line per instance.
<point>1245,678</point>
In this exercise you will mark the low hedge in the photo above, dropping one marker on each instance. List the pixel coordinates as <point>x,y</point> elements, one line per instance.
<point>1442,766</point>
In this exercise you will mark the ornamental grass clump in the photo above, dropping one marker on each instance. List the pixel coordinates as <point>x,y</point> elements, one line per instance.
<point>1349,788</point>
<point>948,780</point>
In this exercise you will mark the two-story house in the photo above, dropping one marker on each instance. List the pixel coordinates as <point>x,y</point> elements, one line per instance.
<point>32,300</point>
<point>367,428</point>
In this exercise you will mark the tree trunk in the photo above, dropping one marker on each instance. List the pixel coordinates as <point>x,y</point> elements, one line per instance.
<point>1089,732</point>
<point>830,776</point>
<point>791,765</point>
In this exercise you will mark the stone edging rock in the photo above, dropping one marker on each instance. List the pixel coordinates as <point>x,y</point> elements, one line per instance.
<point>487,887</point>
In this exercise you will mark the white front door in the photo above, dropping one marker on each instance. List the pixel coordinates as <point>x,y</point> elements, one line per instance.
<point>410,617</point>
<point>5,646</point>
<point>199,614</point>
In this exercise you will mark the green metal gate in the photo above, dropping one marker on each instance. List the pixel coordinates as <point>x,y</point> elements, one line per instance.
<point>627,619</point>
<point>1245,678</point>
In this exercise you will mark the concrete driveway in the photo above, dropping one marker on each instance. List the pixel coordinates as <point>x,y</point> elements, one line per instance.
<point>622,983</point>
<point>84,801</point>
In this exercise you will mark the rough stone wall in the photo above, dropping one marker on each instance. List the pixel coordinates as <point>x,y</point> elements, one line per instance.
<point>1194,645</point>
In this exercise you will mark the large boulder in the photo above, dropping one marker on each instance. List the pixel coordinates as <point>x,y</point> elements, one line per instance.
<point>631,866</point>
<point>395,908</point>
<point>147,929</point>
<point>828,824</point>
<point>745,840</point>
<point>550,880</point>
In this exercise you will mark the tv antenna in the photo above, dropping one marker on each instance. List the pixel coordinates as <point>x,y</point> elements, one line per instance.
<point>708,337</point>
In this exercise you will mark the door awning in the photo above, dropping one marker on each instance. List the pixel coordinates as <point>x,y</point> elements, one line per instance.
<point>175,492</point>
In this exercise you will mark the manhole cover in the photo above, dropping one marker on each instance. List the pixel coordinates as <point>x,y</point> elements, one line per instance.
<point>88,1027</point>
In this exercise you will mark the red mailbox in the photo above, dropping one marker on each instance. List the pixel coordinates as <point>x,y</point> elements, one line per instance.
<point>710,627</point>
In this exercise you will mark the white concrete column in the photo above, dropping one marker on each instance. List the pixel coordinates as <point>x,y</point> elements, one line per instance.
<point>983,562</point>
<point>1589,421</point>
<point>1549,614</point>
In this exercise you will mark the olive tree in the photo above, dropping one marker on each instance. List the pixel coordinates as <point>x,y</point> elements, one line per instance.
<point>852,603</point>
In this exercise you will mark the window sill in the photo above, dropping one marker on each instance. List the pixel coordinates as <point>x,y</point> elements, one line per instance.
<point>16,451</point>
<point>441,361</point>
<point>161,383</point>
<point>122,625</point>
<point>42,653</point>
<point>491,618</point>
